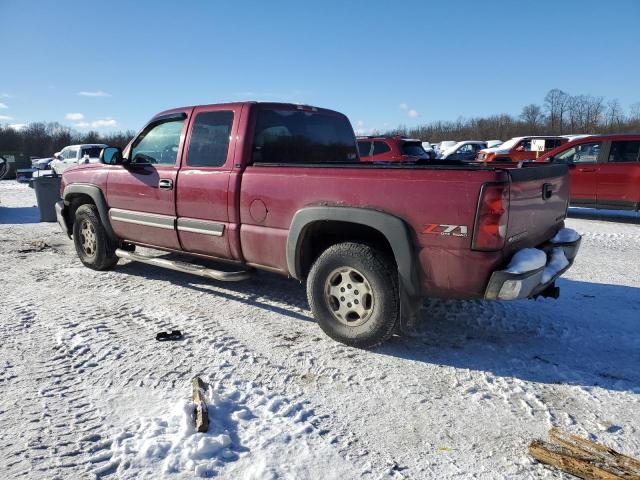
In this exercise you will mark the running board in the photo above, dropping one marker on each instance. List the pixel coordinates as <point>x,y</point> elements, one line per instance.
<point>186,267</point>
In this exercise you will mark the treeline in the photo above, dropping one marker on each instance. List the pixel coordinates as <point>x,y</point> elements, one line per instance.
<point>44,139</point>
<point>559,114</point>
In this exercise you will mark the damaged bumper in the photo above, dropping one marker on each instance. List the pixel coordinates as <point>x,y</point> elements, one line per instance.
<point>505,285</point>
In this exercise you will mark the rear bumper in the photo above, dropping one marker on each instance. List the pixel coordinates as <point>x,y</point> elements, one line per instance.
<point>504,285</point>
<point>62,221</point>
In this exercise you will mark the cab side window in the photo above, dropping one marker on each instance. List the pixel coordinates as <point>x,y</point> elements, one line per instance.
<point>210,139</point>
<point>624,152</point>
<point>380,147</point>
<point>551,143</point>
<point>364,148</point>
<point>158,144</point>
<point>468,148</point>
<point>582,153</point>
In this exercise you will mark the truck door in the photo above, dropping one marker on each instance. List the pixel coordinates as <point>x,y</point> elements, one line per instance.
<point>619,176</point>
<point>141,192</point>
<point>202,201</point>
<point>584,173</point>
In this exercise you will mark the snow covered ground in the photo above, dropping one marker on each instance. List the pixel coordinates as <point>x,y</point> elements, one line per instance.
<point>86,390</point>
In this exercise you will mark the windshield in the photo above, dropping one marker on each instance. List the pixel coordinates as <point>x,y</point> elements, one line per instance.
<point>509,144</point>
<point>414,149</point>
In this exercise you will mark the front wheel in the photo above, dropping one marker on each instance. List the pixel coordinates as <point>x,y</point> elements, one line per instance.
<point>353,293</point>
<point>93,246</point>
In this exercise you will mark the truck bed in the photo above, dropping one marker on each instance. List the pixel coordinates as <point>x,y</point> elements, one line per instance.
<point>421,195</point>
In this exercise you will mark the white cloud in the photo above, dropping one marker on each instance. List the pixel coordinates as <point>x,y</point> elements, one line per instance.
<point>102,123</point>
<point>3,105</point>
<point>5,95</point>
<point>75,117</point>
<point>363,132</point>
<point>107,122</point>
<point>359,123</point>
<point>5,117</point>
<point>18,126</point>
<point>97,93</point>
<point>411,113</point>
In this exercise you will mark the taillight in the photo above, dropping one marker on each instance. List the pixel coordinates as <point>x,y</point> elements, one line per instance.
<point>490,230</point>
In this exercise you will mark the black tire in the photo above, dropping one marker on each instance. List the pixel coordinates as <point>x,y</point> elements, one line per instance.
<point>94,248</point>
<point>380,279</point>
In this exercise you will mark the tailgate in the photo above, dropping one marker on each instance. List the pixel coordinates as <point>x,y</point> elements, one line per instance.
<point>539,197</point>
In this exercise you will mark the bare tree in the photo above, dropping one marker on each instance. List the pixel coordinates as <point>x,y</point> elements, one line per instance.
<point>532,116</point>
<point>556,104</point>
<point>614,115</point>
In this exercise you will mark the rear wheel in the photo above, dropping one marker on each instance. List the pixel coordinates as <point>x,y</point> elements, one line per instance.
<point>93,246</point>
<point>353,294</point>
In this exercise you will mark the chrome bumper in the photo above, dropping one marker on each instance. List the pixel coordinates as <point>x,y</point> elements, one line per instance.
<point>504,285</point>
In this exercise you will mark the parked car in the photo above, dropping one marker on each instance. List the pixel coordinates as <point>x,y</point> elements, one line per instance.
<point>442,146</point>
<point>391,149</point>
<point>428,147</point>
<point>76,154</point>
<point>494,143</point>
<point>604,169</point>
<point>518,149</point>
<point>279,187</point>
<point>463,151</point>
<point>42,163</point>
<point>11,162</point>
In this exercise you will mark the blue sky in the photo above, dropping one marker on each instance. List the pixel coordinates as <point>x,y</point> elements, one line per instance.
<point>381,63</point>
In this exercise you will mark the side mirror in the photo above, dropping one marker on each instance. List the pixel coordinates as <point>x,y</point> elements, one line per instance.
<point>111,156</point>
<point>56,155</point>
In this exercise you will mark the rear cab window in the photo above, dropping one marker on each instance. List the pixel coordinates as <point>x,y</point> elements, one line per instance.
<point>288,136</point>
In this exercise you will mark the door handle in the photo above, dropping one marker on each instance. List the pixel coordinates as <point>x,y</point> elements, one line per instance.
<point>165,184</point>
<point>586,169</point>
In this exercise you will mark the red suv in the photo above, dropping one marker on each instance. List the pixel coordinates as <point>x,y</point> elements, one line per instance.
<point>604,169</point>
<point>391,149</point>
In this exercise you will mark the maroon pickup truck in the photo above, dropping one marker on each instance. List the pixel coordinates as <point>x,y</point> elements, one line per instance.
<point>280,187</point>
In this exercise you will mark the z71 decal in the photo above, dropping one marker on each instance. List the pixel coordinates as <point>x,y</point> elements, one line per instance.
<point>445,230</point>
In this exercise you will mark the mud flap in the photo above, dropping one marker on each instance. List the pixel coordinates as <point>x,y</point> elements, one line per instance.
<point>409,307</point>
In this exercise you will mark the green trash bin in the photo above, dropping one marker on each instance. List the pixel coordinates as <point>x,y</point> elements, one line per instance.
<point>47,189</point>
